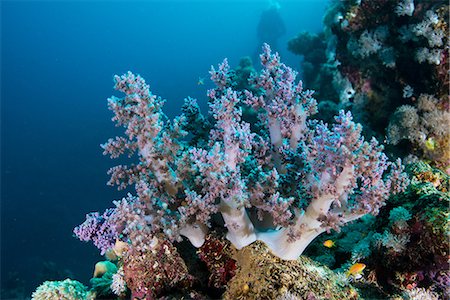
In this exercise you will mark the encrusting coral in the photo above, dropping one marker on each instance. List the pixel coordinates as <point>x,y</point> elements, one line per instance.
<point>262,275</point>
<point>62,290</point>
<point>149,273</point>
<point>216,253</point>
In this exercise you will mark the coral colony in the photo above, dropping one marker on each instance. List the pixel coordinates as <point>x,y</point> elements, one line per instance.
<point>296,178</point>
<point>387,60</point>
<point>388,64</point>
<point>283,181</point>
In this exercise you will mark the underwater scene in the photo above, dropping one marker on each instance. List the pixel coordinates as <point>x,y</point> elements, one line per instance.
<point>225,149</point>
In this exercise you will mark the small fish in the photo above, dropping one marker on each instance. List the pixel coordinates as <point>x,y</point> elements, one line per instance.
<point>430,144</point>
<point>329,243</point>
<point>201,81</point>
<point>356,269</point>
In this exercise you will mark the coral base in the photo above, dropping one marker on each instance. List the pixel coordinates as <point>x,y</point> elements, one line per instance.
<point>261,275</point>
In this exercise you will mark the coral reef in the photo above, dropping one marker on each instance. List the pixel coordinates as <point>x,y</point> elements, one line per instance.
<point>102,279</point>
<point>217,255</point>
<point>248,200</point>
<point>426,126</point>
<point>383,57</point>
<point>249,196</point>
<point>406,246</point>
<point>312,47</point>
<point>423,259</point>
<point>284,183</point>
<point>62,290</point>
<point>388,61</point>
<point>418,294</point>
<point>317,71</point>
<point>150,273</point>
<point>242,74</point>
<point>262,275</point>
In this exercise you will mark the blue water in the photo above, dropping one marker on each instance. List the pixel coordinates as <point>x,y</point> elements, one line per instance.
<point>57,63</point>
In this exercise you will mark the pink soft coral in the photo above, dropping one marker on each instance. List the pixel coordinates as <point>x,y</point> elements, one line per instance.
<point>283,181</point>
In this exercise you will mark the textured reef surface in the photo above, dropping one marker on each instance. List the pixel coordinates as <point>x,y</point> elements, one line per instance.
<point>388,63</point>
